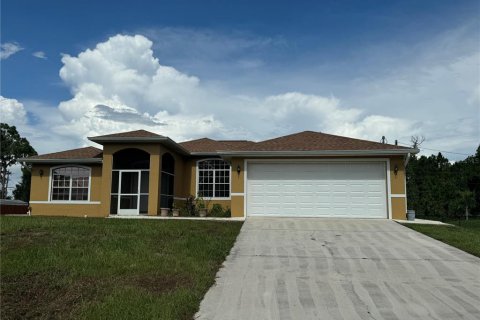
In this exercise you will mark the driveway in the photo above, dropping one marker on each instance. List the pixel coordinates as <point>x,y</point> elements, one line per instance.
<point>309,268</point>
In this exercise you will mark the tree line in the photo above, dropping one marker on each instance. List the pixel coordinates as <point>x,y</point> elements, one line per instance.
<point>437,188</point>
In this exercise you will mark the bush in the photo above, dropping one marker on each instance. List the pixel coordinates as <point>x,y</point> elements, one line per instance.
<point>218,211</point>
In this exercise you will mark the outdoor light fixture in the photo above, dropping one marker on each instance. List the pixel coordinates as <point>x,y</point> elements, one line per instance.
<point>40,172</point>
<point>238,169</point>
<point>395,169</point>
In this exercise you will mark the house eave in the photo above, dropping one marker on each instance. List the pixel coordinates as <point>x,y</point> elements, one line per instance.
<point>162,140</point>
<point>65,161</point>
<point>329,153</point>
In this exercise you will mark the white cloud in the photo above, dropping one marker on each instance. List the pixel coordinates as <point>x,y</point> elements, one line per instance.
<point>119,85</point>
<point>40,55</point>
<point>8,49</point>
<point>12,112</point>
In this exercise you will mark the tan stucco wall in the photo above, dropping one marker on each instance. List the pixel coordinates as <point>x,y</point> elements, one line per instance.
<point>156,152</point>
<point>397,182</point>
<point>101,187</point>
<point>397,188</point>
<point>39,192</point>
<point>399,209</point>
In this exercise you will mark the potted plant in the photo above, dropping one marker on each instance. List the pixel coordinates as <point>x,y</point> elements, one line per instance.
<point>202,210</point>
<point>164,212</point>
<point>175,209</point>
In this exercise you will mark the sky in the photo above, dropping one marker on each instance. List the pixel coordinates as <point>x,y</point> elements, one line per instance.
<point>242,70</point>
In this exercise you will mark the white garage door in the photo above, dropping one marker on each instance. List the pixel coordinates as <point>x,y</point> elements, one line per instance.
<point>333,189</point>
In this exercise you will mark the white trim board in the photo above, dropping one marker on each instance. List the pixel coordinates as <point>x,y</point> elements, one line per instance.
<point>66,202</point>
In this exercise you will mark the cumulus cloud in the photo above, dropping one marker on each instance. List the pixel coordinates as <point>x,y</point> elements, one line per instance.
<point>40,55</point>
<point>12,112</point>
<point>119,85</point>
<point>8,49</point>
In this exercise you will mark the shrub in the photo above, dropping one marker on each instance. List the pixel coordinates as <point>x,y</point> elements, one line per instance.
<point>218,211</point>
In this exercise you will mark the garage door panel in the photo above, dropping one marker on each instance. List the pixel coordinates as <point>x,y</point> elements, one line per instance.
<point>355,189</point>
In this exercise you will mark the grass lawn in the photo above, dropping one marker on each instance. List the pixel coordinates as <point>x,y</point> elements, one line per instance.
<point>76,268</point>
<point>465,235</point>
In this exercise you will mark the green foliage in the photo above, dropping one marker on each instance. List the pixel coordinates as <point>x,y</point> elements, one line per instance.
<point>22,189</point>
<point>200,203</point>
<point>438,189</point>
<point>12,147</point>
<point>218,211</point>
<point>190,208</point>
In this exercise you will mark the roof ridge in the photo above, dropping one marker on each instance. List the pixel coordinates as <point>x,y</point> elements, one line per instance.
<point>364,140</point>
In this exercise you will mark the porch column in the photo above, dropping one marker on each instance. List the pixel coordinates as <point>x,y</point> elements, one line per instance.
<point>154,185</point>
<point>106,182</point>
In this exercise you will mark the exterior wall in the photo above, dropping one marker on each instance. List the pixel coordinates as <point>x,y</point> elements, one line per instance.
<point>238,188</point>
<point>185,184</point>
<point>398,194</point>
<point>399,209</point>
<point>100,189</point>
<point>156,152</point>
<point>39,191</point>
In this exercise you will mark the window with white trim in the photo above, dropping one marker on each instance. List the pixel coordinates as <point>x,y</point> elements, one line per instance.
<point>70,184</point>
<point>213,178</point>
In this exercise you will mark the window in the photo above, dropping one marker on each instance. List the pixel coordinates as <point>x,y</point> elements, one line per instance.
<point>213,178</point>
<point>70,184</point>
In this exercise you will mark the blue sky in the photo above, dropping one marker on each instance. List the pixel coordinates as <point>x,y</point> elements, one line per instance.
<point>249,69</point>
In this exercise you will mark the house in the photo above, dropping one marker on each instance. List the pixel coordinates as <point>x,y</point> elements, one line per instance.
<point>306,174</point>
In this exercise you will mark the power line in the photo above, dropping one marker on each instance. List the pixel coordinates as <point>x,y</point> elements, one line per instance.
<point>443,151</point>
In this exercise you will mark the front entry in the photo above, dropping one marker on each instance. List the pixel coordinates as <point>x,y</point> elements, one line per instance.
<point>130,182</point>
<point>129,192</point>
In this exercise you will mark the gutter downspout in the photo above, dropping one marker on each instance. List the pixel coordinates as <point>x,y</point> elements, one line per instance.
<point>407,159</point>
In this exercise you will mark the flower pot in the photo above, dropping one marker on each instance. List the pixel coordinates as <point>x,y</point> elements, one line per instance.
<point>411,215</point>
<point>164,212</point>
<point>175,212</point>
<point>202,212</point>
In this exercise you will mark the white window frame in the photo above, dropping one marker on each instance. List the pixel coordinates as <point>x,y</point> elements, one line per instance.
<point>50,184</point>
<point>214,170</point>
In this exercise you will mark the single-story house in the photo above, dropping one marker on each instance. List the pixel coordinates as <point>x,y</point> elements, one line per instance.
<point>306,174</point>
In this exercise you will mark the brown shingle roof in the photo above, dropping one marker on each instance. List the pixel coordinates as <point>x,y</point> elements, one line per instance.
<point>209,145</point>
<point>130,134</point>
<point>302,141</point>
<point>81,153</point>
<point>318,141</point>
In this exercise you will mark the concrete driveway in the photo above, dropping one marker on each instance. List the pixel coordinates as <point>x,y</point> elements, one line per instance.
<point>309,268</point>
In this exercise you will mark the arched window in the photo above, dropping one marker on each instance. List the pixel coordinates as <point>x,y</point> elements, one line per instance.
<point>213,178</point>
<point>70,183</point>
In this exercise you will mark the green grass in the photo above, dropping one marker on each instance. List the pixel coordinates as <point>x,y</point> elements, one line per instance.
<point>76,268</point>
<point>465,235</point>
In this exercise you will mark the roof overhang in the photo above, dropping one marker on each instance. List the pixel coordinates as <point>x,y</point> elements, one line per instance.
<point>162,140</point>
<point>325,153</point>
<point>66,161</point>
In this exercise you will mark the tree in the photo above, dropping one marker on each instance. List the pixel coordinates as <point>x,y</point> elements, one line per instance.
<point>22,189</point>
<point>464,200</point>
<point>12,147</point>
